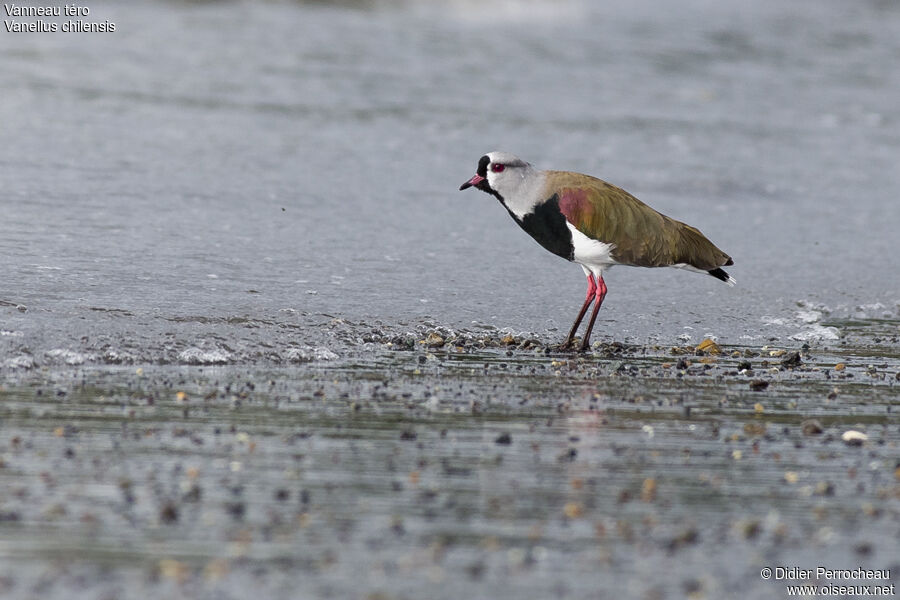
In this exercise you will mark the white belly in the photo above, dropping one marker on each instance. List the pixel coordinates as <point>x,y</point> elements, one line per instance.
<point>592,254</point>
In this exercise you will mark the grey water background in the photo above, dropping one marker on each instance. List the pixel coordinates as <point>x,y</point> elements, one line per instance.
<point>288,160</point>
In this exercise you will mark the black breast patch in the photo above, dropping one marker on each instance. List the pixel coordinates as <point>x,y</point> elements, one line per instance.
<point>548,226</point>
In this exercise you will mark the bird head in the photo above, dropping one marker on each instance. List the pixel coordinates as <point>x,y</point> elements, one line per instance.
<point>499,173</point>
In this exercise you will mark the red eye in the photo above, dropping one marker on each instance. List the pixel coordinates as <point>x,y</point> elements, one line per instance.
<point>498,167</point>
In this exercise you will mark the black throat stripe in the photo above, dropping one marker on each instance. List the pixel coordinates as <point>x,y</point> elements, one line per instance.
<point>547,225</point>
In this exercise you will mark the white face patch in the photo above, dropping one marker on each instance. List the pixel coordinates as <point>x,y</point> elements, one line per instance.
<point>519,183</point>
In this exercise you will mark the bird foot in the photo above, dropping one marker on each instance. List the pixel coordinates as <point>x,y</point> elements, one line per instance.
<point>569,346</point>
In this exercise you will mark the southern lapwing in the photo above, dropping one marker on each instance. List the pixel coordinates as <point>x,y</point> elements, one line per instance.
<point>595,224</point>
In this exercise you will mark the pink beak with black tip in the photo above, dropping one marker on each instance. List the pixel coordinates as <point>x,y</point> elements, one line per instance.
<point>476,179</point>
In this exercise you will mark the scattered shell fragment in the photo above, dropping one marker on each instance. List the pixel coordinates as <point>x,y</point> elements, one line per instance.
<point>217,568</point>
<point>791,477</point>
<point>648,490</point>
<point>573,510</point>
<point>852,437</point>
<point>709,346</point>
<point>840,367</point>
<point>173,569</point>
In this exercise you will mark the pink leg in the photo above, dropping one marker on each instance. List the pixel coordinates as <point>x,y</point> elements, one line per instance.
<point>591,292</point>
<point>600,294</point>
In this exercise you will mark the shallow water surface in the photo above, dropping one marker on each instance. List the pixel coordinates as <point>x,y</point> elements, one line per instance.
<point>447,473</point>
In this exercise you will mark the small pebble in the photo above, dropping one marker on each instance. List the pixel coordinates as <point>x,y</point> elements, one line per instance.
<point>792,360</point>
<point>824,488</point>
<point>168,514</point>
<point>573,510</point>
<point>504,439</point>
<point>755,429</point>
<point>648,490</point>
<point>811,427</point>
<point>434,340</point>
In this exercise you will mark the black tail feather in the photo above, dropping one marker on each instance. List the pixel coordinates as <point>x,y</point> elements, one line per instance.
<point>719,274</point>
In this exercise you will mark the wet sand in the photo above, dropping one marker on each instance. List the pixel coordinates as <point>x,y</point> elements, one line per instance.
<point>423,462</point>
